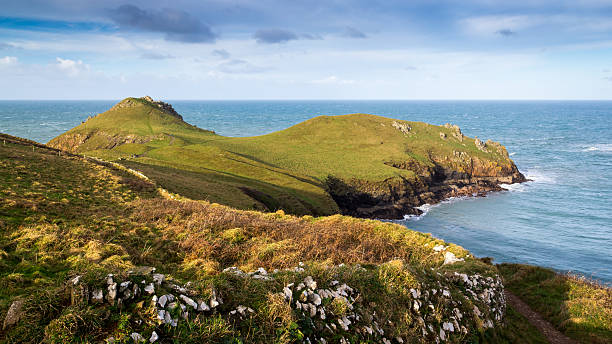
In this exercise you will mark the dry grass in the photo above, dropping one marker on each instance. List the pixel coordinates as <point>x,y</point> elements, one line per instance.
<point>252,239</point>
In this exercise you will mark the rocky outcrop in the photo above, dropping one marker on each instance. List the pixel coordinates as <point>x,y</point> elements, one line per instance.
<point>131,102</point>
<point>449,176</point>
<point>165,107</point>
<point>73,142</point>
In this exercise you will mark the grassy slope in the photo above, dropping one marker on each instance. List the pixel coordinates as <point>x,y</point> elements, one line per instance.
<point>579,308</point>
<point>286,169</point>
<point>62,216</point>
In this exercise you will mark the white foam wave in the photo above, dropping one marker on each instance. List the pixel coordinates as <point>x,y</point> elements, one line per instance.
<point>426,208</point>
<point>511,154</point>
<point>513,187</point>
<point>604,147</point>
<point>537,176</point>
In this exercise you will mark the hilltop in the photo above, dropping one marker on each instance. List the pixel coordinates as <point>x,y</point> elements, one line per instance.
<point>360,165</point>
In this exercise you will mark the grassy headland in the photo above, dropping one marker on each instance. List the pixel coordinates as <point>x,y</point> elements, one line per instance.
<point>360,165</point>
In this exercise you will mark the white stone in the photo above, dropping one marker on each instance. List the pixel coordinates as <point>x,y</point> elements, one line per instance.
<point>288,294</point>
<point>447,326</point>
<point>158,278</point>
<point>442,334</point>
<point>137,337</point>
<point>154,337</point>
<point>316,299</point>
<point>310,283</point>
<point>439,248</point>
<point>150,289</point>
<point>450,258</point>
<point>162,301</point>
<point>97,295</point>
<point>189,301</point>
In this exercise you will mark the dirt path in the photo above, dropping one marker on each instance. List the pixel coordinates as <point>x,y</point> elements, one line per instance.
<point>552,334</point>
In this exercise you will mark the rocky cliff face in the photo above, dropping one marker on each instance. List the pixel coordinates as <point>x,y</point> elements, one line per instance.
<point>449,176</point>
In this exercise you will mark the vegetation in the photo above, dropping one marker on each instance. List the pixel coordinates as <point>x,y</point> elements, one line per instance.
<point>285,170</point>
<point>578,307</point>
<point>65,216</point>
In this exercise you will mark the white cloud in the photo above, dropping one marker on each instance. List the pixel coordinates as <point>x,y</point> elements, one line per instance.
<point>8,60</point>
<point>71,67</point>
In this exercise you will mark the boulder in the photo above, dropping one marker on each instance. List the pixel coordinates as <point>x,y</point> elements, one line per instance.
<point>13,315</point>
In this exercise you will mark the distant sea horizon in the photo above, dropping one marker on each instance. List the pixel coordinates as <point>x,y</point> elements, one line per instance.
<point>562,219</point>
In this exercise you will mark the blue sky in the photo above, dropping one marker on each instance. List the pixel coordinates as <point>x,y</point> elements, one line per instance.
<point>332,49</point>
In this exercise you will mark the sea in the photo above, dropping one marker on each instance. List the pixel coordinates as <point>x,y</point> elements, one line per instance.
<point>561,219</point>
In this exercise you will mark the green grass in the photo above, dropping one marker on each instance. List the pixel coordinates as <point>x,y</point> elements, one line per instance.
<point>580,308</point>
<point>62,216</point>
<point>290,166</point>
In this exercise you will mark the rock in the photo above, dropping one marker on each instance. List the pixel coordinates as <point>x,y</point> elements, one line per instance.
<point>158,278</point>
<point>136,337</point>
<point>480,145</point>
<point>439,248</point>
<point>403,127</point>
<point>316,299</point>
<point>97,296</point>
<point>442,334</point>
<point>288,294</point>
<point>150,289</point>
<point>202,306</point>
<point>449,258</point>
<point>76,280</point>
<point>447,326</point>
<point>162,301</point>
<point>189,301</point>
<point>442,136</point>
<point>13,315</point>
<point>112,293</point>
<point>124,285</point>
<point>310,283</point>
<point>154,337</point>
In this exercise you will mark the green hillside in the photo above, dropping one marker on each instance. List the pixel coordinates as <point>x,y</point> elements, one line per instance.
<point>196,272</point>
<point>318,167</point>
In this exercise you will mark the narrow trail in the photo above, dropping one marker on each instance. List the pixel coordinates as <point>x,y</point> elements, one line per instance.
<point>552,334</point>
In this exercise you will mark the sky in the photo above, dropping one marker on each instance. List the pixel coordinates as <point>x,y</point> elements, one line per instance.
<point>306,49</point>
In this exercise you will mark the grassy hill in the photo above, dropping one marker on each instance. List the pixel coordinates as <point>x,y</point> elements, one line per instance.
<point>361,165</point>
<point>67,222</point>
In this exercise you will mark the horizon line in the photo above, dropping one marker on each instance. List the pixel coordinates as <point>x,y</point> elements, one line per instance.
<point>313,99</point>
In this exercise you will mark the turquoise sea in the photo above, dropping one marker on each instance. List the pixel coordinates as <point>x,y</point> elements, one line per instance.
<point>561,219</point>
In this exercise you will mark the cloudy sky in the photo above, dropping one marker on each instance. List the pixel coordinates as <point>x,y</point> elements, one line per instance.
<point>306,49</point>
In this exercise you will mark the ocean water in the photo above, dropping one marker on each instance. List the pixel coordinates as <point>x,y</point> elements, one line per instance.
<point>561,219</point>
